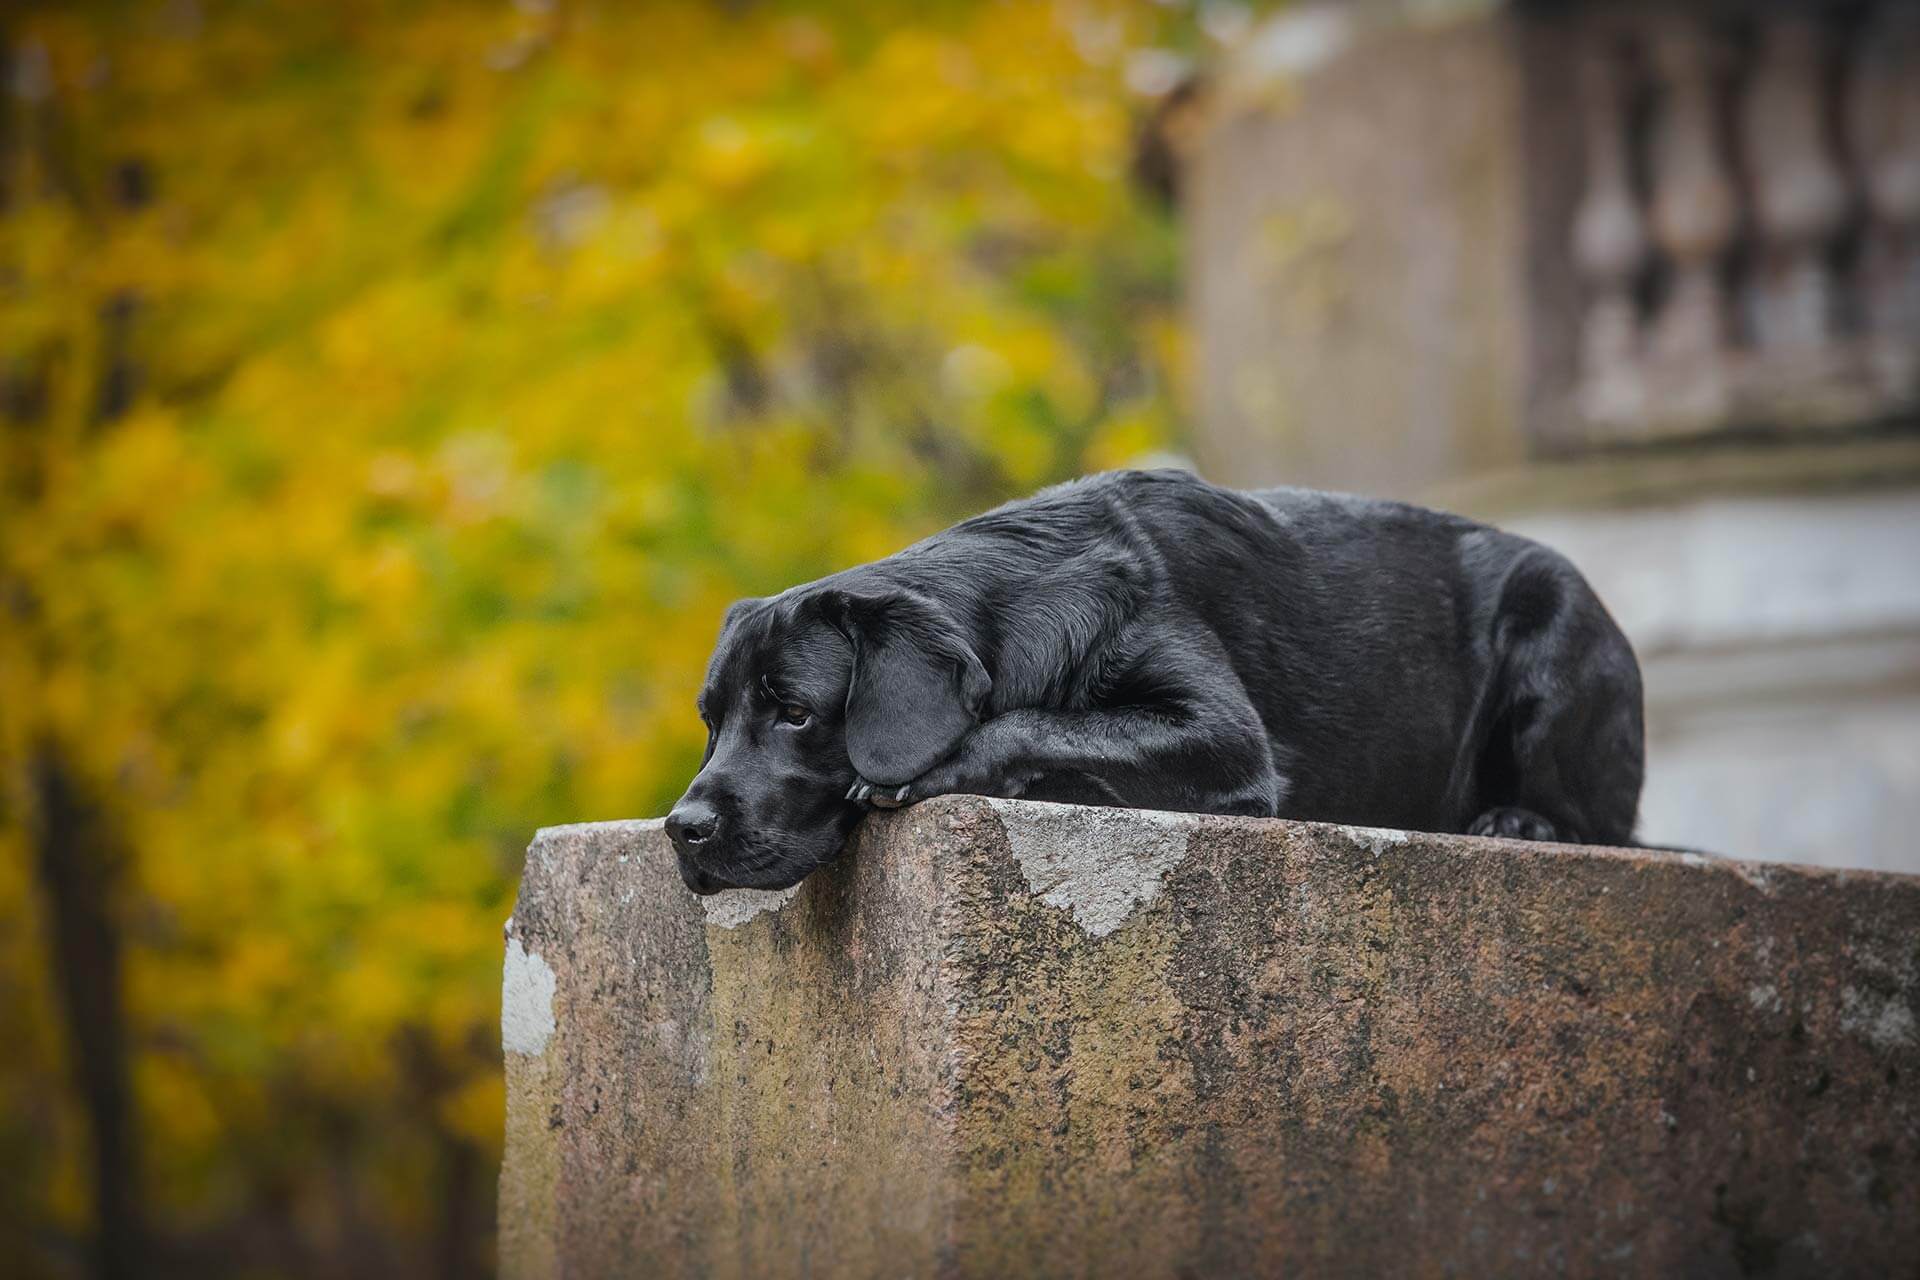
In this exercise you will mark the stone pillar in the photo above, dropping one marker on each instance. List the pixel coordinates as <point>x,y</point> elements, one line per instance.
<point>1016,1039</point>
<point>1354,215</point>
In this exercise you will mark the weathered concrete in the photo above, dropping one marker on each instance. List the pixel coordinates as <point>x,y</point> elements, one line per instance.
<point>1008,1039</point>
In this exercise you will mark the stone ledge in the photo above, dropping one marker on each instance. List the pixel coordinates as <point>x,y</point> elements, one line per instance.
<point>1002,1038</point>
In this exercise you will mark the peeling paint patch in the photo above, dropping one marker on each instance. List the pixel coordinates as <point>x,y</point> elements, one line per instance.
<point>1758,876</point>
<point>732,908</point>
<point>526,1001</point>
<point>1885,1021</point>
<point>1098,864</point>
<point>1765,997</point>
<point>1377,839</point>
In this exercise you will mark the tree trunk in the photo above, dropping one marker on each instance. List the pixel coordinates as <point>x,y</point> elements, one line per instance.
<point>79,865</point>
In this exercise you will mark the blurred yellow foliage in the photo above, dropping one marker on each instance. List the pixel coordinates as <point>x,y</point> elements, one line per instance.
<point>391,398</point>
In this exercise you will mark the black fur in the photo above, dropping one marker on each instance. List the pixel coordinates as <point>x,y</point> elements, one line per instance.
<point>1150,640</point>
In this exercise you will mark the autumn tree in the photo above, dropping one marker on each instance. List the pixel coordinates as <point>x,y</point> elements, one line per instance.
<point>391,397</point>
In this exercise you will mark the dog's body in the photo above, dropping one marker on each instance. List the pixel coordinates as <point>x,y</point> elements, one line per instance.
<point>1146,639</point>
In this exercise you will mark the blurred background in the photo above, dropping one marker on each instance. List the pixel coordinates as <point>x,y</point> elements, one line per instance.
<point>392,395</point>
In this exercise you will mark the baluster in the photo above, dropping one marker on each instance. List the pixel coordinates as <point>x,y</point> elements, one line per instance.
<point>1883,119</point>
<point>1610,245</point>
<point>1694,218</point>
<point>1800,198</point>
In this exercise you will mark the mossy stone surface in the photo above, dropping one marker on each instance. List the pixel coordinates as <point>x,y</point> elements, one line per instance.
<point>1289,1048</point>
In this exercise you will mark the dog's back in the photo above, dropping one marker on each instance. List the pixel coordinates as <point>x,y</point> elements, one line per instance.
<point>1383,645</point>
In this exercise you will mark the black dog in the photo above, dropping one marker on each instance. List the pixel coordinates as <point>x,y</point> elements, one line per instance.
<point>1149,640</point>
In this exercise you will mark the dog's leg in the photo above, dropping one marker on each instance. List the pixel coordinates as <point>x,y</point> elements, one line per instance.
<point>1108,757</point>
<point>1180,737</point>
<point>1564,754</point>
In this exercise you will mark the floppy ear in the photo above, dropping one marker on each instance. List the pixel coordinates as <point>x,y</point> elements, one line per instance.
<point>917,685</point>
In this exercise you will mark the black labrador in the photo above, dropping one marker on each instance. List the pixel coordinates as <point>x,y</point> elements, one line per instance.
<point>1150,640</point>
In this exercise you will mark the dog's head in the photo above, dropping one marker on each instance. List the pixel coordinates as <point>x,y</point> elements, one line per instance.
<point>806,693</point>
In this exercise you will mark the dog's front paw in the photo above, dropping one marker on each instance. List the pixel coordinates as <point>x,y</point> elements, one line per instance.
<point>941,780</point>
<point>978,768</point>
<point>864,792</point>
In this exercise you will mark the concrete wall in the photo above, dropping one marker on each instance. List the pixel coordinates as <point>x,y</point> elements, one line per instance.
<point>1377,203</point>
<point>1014,1039</point>
<point>1780,640</point>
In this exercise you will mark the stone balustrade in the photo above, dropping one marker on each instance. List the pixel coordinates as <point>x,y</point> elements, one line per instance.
<point>1747,236</point>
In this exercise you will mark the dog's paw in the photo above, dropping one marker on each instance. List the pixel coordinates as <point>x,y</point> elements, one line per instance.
<point>864,792</point>
<point>941,780</point>
<point>1513,823</point>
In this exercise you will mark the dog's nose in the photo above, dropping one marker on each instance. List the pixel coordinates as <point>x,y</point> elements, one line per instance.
<point>691,824</point>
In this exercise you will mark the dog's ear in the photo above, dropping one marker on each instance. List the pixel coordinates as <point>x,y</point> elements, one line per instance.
<point>917,684</point>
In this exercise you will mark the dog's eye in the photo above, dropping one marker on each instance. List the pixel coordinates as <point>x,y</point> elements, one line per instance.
<point>794,714</point>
